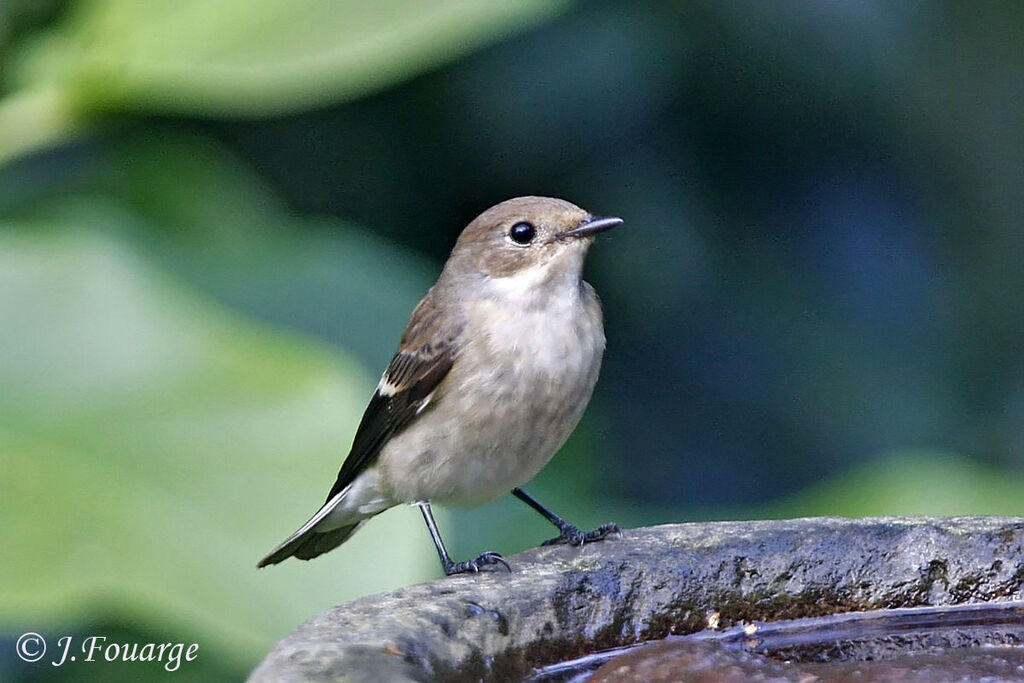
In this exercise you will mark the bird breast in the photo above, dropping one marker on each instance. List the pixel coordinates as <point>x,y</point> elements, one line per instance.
<point>519,385</point>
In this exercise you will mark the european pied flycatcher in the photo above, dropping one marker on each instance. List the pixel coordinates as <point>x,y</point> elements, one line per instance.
<point>492,374</point>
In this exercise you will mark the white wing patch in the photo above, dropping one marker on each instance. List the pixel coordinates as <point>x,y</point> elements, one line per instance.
<point>425,403</point>
<point>386,388</point>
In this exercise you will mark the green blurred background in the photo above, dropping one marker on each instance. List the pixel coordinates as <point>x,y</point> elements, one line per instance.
<point>215,218</point>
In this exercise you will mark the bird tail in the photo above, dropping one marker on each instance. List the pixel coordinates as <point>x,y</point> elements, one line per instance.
<point>308,542</point>
<point>307,545</point>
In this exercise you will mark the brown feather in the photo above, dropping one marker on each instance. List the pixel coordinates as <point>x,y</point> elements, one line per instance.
<point>426,354</point>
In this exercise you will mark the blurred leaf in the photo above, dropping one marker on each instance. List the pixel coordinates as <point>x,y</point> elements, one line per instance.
<point>237,58</point>
<point>155,446</point>
<point>197,209</point>
<point>911,483</point>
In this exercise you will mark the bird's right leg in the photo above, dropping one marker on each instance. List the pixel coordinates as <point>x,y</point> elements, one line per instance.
<point>450,567</point>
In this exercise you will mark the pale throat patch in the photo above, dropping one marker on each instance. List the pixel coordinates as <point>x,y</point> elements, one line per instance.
<point>565,270</point>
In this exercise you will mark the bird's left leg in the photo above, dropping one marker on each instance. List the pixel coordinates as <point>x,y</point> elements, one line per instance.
<point>570,534</point>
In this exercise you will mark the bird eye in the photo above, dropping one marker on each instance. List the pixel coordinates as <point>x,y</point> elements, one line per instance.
<point>522,233</point>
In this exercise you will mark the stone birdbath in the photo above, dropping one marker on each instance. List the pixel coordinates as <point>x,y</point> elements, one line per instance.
<point>751,600</point>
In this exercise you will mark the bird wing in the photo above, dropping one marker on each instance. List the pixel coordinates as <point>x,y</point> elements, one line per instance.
<point>426,354</point>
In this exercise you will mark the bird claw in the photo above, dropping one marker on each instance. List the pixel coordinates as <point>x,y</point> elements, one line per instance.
<point>574,537</point>
<point>473,566</point>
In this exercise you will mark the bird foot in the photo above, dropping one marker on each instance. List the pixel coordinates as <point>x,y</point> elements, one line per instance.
<point>574,537</point>
<point>474,565</point>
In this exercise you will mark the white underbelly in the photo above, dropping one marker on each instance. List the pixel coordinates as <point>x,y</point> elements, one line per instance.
<point>515,394</point>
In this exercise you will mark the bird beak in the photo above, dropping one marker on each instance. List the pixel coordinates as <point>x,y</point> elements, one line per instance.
<point>592,226</point>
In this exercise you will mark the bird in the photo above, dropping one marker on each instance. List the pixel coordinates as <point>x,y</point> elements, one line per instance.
<point>492,374</point>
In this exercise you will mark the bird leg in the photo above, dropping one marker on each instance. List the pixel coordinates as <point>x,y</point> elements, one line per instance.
<point>570,534</point>
<point>450,567</point>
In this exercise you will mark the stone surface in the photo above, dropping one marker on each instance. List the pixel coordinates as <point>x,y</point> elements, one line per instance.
<point>559,603</point>
<point>708,662</point>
